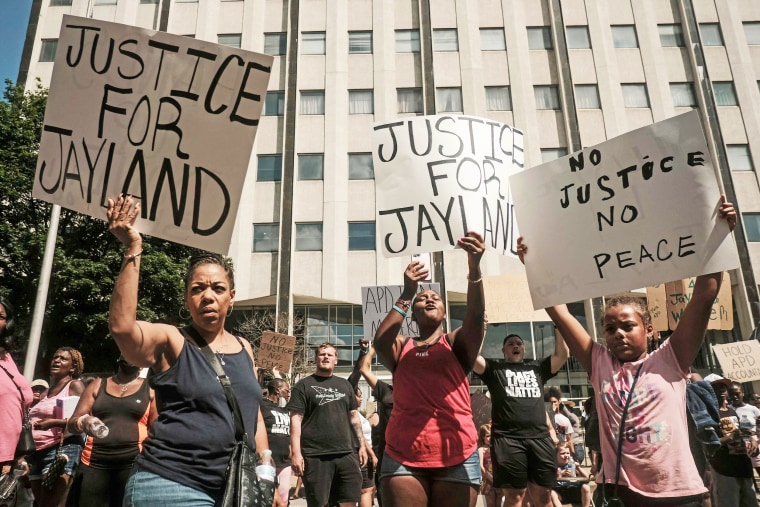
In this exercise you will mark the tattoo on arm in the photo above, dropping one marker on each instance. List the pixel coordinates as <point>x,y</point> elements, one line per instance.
<point>356,424</point>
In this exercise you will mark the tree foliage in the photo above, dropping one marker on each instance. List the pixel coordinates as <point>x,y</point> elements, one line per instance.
<point>87,257</point>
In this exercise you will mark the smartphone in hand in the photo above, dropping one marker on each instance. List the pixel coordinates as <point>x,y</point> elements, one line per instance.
<point>424,259</point>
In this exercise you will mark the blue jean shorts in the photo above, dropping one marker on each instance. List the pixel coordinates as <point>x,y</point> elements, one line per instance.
<point>467,472</point>
<point>146,489</point>
<point>39,461</point>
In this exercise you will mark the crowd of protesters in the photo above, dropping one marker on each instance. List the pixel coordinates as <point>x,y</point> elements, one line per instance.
<point>170,436</point>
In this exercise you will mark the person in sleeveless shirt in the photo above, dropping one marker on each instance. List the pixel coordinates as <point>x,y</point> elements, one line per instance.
<point>125,404</point>
<point>657,467</point>
<point>431,453</point>
<point>184,459</point>
<point>65,369</point>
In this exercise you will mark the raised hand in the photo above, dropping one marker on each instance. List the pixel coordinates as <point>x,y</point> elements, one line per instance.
<point>122,214</point>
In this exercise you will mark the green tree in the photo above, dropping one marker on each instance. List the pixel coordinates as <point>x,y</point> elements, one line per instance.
<point>87,257</point>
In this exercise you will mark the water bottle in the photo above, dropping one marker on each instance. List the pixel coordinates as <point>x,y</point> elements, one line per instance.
<point>9,482</point>
<point>266,470</point>
<point>96,428</point>
<point>571,466</point>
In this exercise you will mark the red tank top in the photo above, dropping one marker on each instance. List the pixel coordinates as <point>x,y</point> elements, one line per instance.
<point>431,425</point>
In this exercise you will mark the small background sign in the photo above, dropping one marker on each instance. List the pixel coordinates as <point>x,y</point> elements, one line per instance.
<point>378,300</point>
<point>740,361</point>
<point>276,351</point>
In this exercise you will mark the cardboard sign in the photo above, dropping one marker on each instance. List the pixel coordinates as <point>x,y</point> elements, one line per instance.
<point>166,118</point>
<point>378,300</point>
<point>438,177</point>
<point>740,361</point>
<point>657,306</point>
<point>508,300</point>
<point>276,351</point>
<point>634,211</point>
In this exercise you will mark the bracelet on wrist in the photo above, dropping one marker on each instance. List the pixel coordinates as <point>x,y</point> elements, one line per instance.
<point>404,303</point>
<point>133,257</point>
<point>399,310</point>
<point>479,279</point>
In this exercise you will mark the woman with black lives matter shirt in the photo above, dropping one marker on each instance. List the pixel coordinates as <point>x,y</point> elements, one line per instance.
<point>277,422</point>
<point>522,451</point>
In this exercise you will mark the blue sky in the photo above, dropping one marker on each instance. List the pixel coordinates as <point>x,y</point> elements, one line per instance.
<point>15,16</point>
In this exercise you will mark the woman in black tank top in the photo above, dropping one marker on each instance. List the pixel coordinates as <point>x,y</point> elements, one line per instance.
<point>125,404</point>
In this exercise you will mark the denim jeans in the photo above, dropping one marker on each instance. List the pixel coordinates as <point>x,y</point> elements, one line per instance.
<point>146,489</point>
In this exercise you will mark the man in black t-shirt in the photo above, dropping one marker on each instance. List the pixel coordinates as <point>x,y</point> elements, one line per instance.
<point>325,432</point>
<point>522,452</point>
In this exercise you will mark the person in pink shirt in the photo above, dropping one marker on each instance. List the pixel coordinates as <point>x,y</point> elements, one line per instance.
<point>656,466</point>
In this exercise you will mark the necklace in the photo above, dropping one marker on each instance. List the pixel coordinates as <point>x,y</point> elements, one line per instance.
<point>124,387</point>
<point>220,356</point>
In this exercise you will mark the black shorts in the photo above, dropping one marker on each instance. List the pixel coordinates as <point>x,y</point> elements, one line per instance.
<point>368,474</point>
<point>569,492</point>
<point>517,461</point>
<point>332,478</point>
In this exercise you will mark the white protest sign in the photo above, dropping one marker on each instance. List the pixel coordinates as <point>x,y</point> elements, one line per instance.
<point>740,361</point>
<point>634,211</point>
<point>508,300</point>
<point>437,177</point>
<point>168,119</point>
<point>377,301</point>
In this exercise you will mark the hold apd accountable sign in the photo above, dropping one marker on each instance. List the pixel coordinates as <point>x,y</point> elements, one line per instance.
<point>168,119</point>
<point>634,211</point>
<point>437,177</point>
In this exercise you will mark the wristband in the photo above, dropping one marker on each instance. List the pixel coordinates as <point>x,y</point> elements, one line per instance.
<point>132,257</point>
<point>399,310</point>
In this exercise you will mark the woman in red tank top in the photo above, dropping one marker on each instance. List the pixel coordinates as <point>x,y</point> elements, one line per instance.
<point>431,443</point>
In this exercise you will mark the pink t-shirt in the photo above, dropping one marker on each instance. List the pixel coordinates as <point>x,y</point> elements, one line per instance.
<point>10,406</point>
<point>44,410</point>
<point>655,460</point>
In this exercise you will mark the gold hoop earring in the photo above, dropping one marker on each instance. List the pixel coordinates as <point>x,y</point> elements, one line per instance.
<point>182,316</point>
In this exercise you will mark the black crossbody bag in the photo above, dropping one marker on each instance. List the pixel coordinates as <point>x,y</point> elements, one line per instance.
<point>242,487</point>
<point>614,500</point>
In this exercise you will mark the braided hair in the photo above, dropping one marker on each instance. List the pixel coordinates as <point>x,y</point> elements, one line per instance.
<point>199,259</point>
<point>76,360</point>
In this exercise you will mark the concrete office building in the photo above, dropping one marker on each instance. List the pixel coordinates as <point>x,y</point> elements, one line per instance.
<point>568,73</point>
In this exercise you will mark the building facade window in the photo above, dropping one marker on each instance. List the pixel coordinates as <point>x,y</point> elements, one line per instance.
<point>752,226</point>
<point>360,166</point>
<point>549,154</point>
<point>578,37</point>
<point>449,100</point>
<point>547,96</point>
<point>445,39</point>
<point>274,104</point>
<point>492,39</point>
<point>752,33</point>
<point>311,166</point>
<point>361,102</point>
<point>60,3</point>
<point>587,96</point>
<point>683,95</point>
<point>671,35</point>
<point>359,43</point>
<point>269,168</point>
<point>635,95</point>
<point>275,44</point>
<point>409,100</point>
<point>313,43</point>
<point>724,93</point>
<point>624,36</point>
<point>739,158</point>
<point>48,49</point>
<point>498,98</point>
<point>361,235</point>
<point>340,325</point>
<point>407,41</point>
<point>266,237</point>
<point>540,37</point>
<point>309,237</point>
<point>232,40</point>
<point>313,102</point>
<point>710,34</point>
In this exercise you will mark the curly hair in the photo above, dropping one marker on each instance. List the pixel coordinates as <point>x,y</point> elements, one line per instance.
<point>637,304</point>
<point>76,360</point>
<point>202,258</point>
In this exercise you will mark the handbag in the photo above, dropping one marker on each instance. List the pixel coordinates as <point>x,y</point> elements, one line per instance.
<point>242,487</point>
<point>56,468</point>
<point>614,500</point>
<point>25,443</point>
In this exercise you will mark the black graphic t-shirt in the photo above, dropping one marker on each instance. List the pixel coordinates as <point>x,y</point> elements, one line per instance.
<point>517,397</point>
<point>731,459</point>
<point>326,403</point>
<point>277,422</point>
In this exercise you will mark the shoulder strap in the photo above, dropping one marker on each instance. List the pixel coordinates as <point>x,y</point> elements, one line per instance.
<point>23,401</point>
<point>224,380</point>
<point>622,426</point>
